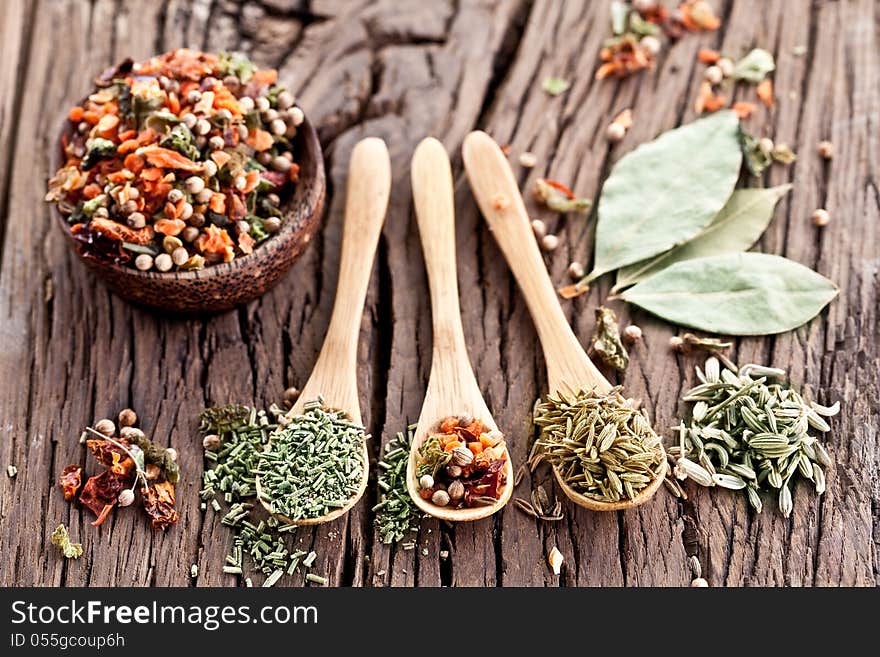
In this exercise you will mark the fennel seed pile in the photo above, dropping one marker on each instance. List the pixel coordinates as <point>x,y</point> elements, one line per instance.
<point>602,448</point>
<point>751,435</point>
<point>314,463</point>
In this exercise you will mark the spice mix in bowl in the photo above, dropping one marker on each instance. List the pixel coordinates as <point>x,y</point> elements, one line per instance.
<point>189,181</point>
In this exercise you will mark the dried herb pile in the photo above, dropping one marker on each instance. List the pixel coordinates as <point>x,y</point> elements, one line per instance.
<point>599,444</point>
<point>129,459</point>
<point>235,437</point>
<point>178,162</point>
<point>314,464</point>
<point>674,228</point>
<point>462,464</point>
<point>396,513</point>
<point>746,433</point>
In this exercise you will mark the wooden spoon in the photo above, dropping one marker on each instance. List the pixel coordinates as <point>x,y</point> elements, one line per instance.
<point>335,374</point>
<point>452,387</point>
<point>569,369</point>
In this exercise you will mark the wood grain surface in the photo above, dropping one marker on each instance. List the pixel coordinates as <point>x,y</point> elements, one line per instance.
<point>71,353</point>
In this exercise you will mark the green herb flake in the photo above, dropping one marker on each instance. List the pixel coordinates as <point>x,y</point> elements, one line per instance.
<point>61,538</point>
<point>555,86</point>
<point>98,149</point>
<point>557,200</point>
<point>783,154</point>
<point>757,160</point>
<point>237,64</point>
<point>754,67</point>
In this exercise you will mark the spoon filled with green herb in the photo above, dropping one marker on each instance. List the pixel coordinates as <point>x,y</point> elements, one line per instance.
<point>604,453</point>
<point>316,466</point>
<point>459,467</point>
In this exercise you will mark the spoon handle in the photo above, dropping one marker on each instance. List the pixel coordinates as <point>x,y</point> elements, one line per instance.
<point>497,193</point>
<point>369,186</point>
<point>433,199</point>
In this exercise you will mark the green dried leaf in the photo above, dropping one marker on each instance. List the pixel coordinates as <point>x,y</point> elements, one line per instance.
<point>666,191</point>
<point>61,538</point>
<point>619,13</point>
<point>755,66</point>
<point>640,26</point>
<point>606,340</point>
<point>735,294</point>
<point>756,158</point>
<point>737,227</point>
<point>555,86</point>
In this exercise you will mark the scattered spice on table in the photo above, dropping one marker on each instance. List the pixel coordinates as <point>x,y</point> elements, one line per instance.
<point>397,516</point>
<point>314,464</point>
<point>559,198</point>
<point>748,434</point>
<point>554,86</point>
<point>540,505</point>
<point>555,560</point>
<point>600,445</point>
<point>129,460</point>
<point>178,162</point>
<point>722,74</point>
<point>462,464</point>
<point>61,539</point>
<point>11,471</point>
<point>606,342</point>
<point>235,436</point>
<point>637,29</point>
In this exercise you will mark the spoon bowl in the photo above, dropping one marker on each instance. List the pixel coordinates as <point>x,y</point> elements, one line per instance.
<point>452,386</point>
<point>569,369</point>
<point>334,377</point>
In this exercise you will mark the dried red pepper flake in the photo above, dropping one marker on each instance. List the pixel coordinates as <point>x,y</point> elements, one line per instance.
<point>70,481</point>
<point>102,491</point>
<point>111,456</point>
<point>159,504</point>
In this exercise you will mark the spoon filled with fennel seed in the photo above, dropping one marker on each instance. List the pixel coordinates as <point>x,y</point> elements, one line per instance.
<point>589,434</point>
<point>328,406</point>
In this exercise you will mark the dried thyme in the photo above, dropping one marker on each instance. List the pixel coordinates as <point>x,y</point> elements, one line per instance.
<point>601,447</point>
<point>241,435</point>
<point>396,514</point>
<point>751,435</point>
<point>314,464</point>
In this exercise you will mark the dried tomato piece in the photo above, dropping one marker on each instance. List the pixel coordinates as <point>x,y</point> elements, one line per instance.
<point>102,491</point>
<point>159,504</point>
<point>95,245</point>
<point>70,481</point>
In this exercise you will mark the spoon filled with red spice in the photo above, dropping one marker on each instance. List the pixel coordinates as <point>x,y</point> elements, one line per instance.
<point>459,467</point>
<point>570,372</point>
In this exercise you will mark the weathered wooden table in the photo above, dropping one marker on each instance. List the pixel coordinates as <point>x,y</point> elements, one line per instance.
<point>72,353</point>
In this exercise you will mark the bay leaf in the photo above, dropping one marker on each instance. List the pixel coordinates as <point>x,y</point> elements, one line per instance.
<point>735,294</point>
<point>666,191</point>
<point>738,225</point>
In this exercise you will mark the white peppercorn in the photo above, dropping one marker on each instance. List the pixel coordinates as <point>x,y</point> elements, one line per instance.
<point>144,262</point>
<point>821,217</point>
<point>262,103</point>
<point>136,220</point>
<point>651,44</point>
<point>528,160</point>
<point>426,481</point>
<point>296,116</point>
<point>202,127</point>
<point>615,132</point>
<point>242,227</point>
<point>576,271</point>
<point>243,132</point>
<point>216,143</point>
<point>163,262</point>
<point>194,96</point>
<point>126,497</point>
<point>174,195</point>
<point>189,234</point>
<point>240,182</point>
<point>277,127</point>
<point>272,224</point>
<point>210,168</point>
<point>281,164</point>
<point>246,103</point>
<point>549,242</point>
<point>189,120</point>
<point>186,211</point>
<point>194,184</point>
<point>284,99</point>
<point>726,66</point>
<point>539,228</point>
<point>224,114</point>
<point>713,75</point>
<point>632,334</point>
<point>179,255</point>
<point>204,196</point>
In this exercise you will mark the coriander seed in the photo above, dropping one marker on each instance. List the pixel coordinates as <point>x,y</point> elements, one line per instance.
<point>105,427</point>
<point>127,418</point>
<point>651,44</point>
<point>820,218</point>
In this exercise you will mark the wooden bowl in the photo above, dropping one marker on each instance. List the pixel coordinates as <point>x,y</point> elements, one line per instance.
<point>225,285</point>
